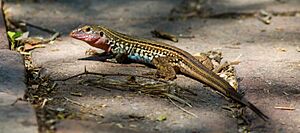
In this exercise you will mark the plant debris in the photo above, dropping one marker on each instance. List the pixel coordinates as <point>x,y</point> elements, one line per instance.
<point>157,87</point>
<point>181,108</point>
<point>298,49</point>
<point>164,35</point>
<point>280,49</point>
<point>284,108</point>
<point>78,94</point>
<point>212,60</point>
<point>264,17</point>
<point>233,47</point>
<point>40,93</point>
<point>161,118</point>
<point>20,39</point>
<point>185,36</point>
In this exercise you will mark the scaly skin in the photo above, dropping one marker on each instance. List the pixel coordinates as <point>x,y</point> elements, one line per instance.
<point>168,59</point>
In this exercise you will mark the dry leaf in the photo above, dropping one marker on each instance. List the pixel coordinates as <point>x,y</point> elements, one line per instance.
<point>298,49</point>
<point>282,49</point>
<point>161,118</point>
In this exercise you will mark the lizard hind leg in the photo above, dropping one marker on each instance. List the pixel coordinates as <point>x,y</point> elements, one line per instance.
<point>165,69</point>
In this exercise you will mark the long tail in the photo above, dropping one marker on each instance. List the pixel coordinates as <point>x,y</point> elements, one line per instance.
<point>235,96</point>
<point>202,74</point>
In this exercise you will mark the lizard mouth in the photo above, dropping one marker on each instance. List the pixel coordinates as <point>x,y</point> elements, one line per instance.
<point>90,38</point>
<point>94,40</point>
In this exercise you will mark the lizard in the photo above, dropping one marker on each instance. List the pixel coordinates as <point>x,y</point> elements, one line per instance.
<point>167,59</point>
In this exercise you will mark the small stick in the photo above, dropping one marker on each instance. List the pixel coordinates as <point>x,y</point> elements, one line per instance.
<point>186,36</point>
<point>107,74</point>
<point>233,47</point>
<point>75,102</point>
<point>104,88</point>
<point>177,99</point>
<point>164,35</point>
<point>53,37</point>
<point>18,99</point>
<point>284,108</point>
<point>181,108</point>
<point>44,102</point>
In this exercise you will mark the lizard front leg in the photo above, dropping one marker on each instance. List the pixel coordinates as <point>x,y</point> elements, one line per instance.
<point>122,58</point>
<point>164,68</point>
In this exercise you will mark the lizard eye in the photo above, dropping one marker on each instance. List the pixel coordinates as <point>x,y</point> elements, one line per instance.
<point>88,29</point>
<point>101,33</point>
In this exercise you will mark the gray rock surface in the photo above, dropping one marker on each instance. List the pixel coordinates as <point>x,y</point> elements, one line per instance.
<point>12,73</point>
<point>18,118</point>
<point>3,40</point>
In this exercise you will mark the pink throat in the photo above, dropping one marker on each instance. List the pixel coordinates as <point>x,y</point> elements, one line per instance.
<point>93,40</point>
<point>102,44</point>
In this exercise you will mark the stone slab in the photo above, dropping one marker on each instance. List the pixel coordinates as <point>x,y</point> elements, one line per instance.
<point>18,118</point>
<point>12,73</point>
<point>3,36</point>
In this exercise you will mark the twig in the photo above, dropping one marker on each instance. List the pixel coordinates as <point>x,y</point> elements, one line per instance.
<point>181,108</point>
<point>103,88</point>
<point>237,58</point>
<point>54,36</point>
<point>284,108</point>
<point>164,35</point>
<point>18,99</point>
<point>285,93</point>
<point>53,86</point>
<point>109,74</point>
<point>233,47</point>
<point>44,102</point>
<point>234,62</point>
<point>186,36</point>
<point>75,102</point>
<point>177,99</point>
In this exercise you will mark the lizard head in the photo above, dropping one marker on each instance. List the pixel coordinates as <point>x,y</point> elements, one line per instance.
<point>93,35</point>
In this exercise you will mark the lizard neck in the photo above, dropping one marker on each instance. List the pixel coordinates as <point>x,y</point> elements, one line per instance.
<point>102,43</point>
